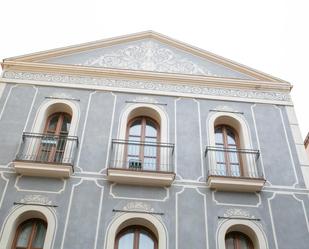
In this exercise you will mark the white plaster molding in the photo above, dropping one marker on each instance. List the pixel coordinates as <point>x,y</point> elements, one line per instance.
<point>239,123</point>
<point>205,216</point>
<point>36,190</point>
<point>22,213</point>
<point>237,213</point>
<point>47,108</point>
<point>138,206</point>
<point>5,188</point>
<point>2,87</point>
<point>148,220</point>
<point>36,199</point>
<point>83,132</point>
<point>236,204</point>
<point>289,146</point>
<point>252,229</point>
<point>149,55</point>
<point>153,85</point>
<point>111,193</point>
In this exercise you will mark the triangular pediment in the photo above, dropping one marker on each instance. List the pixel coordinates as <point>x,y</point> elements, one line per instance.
<point>148,55</point>
<point>148,52</point>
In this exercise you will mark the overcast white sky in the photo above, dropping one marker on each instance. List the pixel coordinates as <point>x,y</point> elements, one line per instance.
<point>268,35</point>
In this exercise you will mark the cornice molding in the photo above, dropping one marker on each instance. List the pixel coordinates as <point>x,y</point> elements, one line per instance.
<point>146,86</point>
<point>146,75</point>
<point>39,56</point>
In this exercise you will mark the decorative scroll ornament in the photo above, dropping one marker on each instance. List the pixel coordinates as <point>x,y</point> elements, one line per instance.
<point>36,199</point>
<point>237,213</point>
<point>138,206</point>
<point>157,86</point>
<point>145,99</point>
<point>225,108</point>
<point>148,56</point>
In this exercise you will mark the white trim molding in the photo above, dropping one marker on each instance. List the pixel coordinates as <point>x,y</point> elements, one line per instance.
<point>233,90</point>
<point>50,106</point>
<point>248,227</point>
<point>143,219</point>
<point>22,213</point>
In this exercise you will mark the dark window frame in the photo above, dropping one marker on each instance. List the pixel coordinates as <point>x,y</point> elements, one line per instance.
<point>237,237</point>
<point>31,238</point>
<point>226,146</point>
<point>137,231</point>
<point>143,137</point>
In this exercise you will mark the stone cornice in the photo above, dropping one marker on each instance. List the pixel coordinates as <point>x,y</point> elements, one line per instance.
<point>147,86</point>
<point>145,75</point>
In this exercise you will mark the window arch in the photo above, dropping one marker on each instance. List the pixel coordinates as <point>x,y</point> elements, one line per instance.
<point>143,135</point>
<point>136,237</point>
<point>27,212</point>
<point>235,157</point>
<point>143,220</point>
<point>30,234</point>
<point>159,158</point>
<point>251,232</point>
<point>50,107</point>
<point>238,240</point>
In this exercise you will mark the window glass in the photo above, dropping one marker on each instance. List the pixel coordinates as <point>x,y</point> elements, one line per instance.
<point>30,235</point>
<point>126,241</point>
<point>39,238</point>
<point>135,128</point>
<point>151,129</point>
<point>66,124</point>
<point>24,235</point>
<point>142,148</point>
<point>135,237</point>
<point>53,123</point>
<point>145,242</point>
<point>238,240</point>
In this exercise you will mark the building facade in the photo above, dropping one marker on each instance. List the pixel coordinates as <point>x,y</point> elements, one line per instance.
<point>144,142</point>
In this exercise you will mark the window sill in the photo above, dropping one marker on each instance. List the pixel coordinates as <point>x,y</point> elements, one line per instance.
<point>43,169</point>
<point>145,178</point>
<point>237,184</point>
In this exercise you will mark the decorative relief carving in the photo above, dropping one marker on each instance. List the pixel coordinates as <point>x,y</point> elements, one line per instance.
<point>145,99</point>
<point>138,206</point>
<point>225,108</point>
<point>148,85</point>
<point>237,212</point>
<point>36,199</point>
<point>149,56</point>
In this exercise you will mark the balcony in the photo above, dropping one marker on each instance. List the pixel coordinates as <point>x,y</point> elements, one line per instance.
<point>141,163</point>
<point>232,169</point>
<point>46,155</point>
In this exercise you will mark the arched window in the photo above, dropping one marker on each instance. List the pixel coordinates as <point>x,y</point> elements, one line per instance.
<point>55,137</point>
<point>238,240</point>
<point>227,157</point>
<point>136,237</point>
<point>143,134</point>
<point>30,235</point>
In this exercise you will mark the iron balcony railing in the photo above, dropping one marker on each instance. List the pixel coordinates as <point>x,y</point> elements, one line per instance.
<point>141,156</point>
<point>233,162</point>
<point>48,148</point>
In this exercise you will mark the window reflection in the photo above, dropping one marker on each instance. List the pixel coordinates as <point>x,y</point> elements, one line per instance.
<point>135,237</point>
<point>30,235</point>
<point>227,158</point>
<point>142,150</point>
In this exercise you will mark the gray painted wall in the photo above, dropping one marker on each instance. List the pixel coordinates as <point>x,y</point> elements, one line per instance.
<point>190,210</point>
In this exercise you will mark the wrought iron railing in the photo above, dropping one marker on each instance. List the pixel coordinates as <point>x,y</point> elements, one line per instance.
<point>47,148</point>
<point>233,162</point>
<point>141,156</point>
